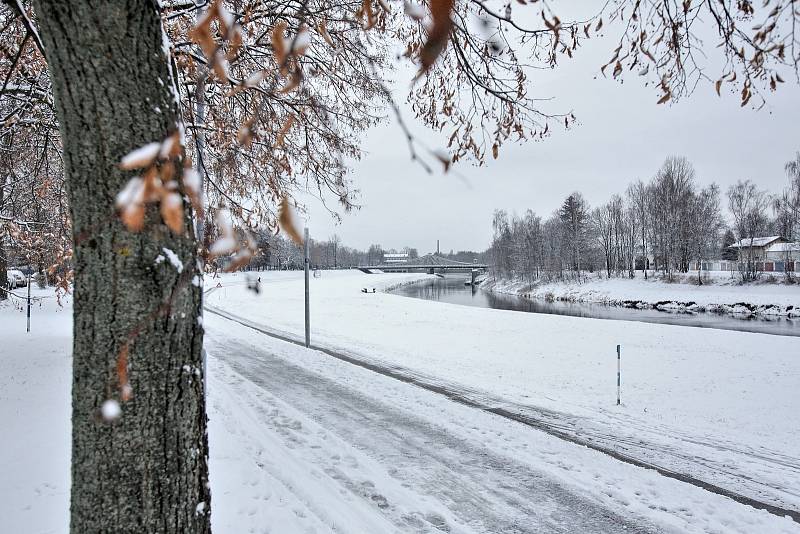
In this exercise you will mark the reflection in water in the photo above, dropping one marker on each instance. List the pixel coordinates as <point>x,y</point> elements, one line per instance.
<point>451,289</point>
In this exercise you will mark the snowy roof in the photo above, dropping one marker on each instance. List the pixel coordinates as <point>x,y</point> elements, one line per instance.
<point>755,242</point>
<point>784,247</point>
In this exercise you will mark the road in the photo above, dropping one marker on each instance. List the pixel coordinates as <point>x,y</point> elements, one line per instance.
<point>717,465</point>
<point>393,446</point>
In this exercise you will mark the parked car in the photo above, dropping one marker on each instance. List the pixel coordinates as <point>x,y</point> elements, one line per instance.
<point>19,278</point>
<point>12,281</point>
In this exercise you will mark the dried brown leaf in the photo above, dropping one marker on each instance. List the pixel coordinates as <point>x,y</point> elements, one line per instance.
<point>438,34</point>
<point>142,157</point>
<point>172,212</point>
<point>133,216</point>
<point>278,44</point>
<point>287,125</point>
<point>322,28</point>
<point>294,82</point>
<point>286,221</point>
<point>245,135</point>
<point>240,259</point>
<point>122,374</point>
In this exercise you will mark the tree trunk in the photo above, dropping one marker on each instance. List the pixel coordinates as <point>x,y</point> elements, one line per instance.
<point>3,273</point>
<point>147,470</point>
<point>3,261</point>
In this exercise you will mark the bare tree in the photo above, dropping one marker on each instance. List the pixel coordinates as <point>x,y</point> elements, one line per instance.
<point>787,204</point>
<point>630,235</point>
<point>501,243</point>
<point>706,226</point>
<point>672,190</point>
<point>748,206</point>
<point>574,216</point>
<point>639,200</point>
<point>602,226</point>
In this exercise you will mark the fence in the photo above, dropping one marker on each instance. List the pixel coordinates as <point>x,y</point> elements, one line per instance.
<point>769,266</point>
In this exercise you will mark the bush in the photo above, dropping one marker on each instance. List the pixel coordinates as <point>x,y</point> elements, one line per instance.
<point>41,280</point>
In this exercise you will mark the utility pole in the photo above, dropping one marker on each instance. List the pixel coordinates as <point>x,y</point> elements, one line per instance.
<point>308,314</point>
<point>199,131</point>
<point>29,303</point>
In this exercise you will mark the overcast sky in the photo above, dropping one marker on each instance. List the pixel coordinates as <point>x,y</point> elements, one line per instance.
<point>623,135</point>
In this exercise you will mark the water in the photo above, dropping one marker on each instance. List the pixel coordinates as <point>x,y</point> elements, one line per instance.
<point>451,289</point>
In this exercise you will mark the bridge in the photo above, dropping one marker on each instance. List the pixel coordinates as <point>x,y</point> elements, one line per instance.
<point>430,263</point>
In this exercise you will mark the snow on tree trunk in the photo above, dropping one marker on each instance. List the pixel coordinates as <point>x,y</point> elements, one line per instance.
<point>3,263</point>
<point>3,274</point>
<point>145,471</point>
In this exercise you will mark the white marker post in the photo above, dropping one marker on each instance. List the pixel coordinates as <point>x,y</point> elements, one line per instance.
<point>308,314</point>
<point>618,374</point>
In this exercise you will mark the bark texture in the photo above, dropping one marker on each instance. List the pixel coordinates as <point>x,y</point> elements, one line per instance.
<point>147,470</point>
<point>3,274</point>
<point>3,261</point>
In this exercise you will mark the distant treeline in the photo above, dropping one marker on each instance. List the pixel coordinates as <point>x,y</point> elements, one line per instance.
<point>277,252</point>
<point>667,224</point>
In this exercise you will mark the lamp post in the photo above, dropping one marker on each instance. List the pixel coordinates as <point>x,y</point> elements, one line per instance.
<point>308,313</point>
<point>29,303</point>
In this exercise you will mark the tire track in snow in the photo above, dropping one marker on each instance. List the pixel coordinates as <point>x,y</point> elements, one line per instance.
<point>482,490</point>
<point>541,422</point>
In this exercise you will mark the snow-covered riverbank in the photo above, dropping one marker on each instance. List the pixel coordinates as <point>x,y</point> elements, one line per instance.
<point>689,394</point>
<point>719,294</point>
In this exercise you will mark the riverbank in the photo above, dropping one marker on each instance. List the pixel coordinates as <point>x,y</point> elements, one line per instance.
<point>720,293</point>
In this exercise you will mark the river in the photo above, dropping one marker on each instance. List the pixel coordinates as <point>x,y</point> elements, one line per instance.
<point>451,289</point>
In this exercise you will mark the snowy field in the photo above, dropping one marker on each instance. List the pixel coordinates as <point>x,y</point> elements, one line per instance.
<point>301,442</point>
<point>720,293</point>
<point>35,406</point>
<point>716,404</point>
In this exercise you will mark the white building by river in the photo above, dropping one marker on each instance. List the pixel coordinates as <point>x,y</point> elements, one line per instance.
<point>772,254</point>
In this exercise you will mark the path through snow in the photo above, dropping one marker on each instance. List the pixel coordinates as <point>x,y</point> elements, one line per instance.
<point>366,453</point>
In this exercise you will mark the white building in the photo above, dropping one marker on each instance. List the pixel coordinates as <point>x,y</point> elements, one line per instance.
<point>783,252</point>
<point>772,254</point>
<point>756,248</point>
<point>395,258</point>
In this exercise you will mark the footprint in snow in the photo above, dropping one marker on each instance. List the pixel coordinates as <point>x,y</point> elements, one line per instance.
<point>438,522</point>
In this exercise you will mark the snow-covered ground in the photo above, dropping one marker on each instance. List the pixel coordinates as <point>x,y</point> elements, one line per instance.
<point>720,292</point>
<point>35,407</point>
<point>328,446</point>
<point>302,442</point>
<point>719,405</point>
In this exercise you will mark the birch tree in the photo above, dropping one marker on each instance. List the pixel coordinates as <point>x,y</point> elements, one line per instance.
<point>748,206</point>
<point>787,203</point>
<point>707,224</point>
<point>638,195</point>
<point>604,233</point>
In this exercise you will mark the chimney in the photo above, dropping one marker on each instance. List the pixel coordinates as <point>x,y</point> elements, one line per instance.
<point>437,247</point>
